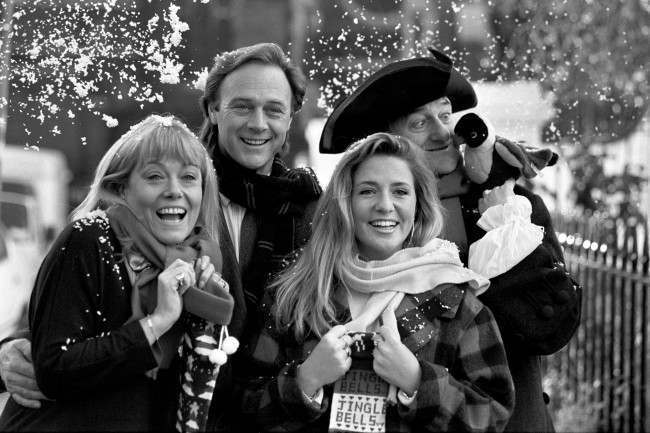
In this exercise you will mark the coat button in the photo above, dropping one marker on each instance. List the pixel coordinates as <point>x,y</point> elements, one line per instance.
<point>547,311</point>
<point>563,296</point>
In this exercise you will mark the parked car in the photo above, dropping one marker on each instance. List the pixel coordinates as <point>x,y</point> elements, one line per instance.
<point>43,175</point>
<point>22,246</point>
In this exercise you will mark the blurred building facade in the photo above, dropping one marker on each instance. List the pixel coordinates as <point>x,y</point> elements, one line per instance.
<point>229,24</point>
<point>295,25</point>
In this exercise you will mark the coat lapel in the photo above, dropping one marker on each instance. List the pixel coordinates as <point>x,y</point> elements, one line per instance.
<point>247,238</point>
<point>231,274</point>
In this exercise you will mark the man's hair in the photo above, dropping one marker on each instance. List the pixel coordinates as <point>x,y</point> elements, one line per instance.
<point>224,64</point>
<point>304,296</point>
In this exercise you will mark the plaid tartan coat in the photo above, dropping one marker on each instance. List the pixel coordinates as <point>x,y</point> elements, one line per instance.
<point>465,386</point>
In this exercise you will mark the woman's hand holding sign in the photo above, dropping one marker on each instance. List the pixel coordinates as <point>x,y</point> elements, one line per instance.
<point>394,362</point>
<point>329,360</point>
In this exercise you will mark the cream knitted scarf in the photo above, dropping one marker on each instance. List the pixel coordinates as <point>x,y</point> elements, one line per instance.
<point>409,271</point>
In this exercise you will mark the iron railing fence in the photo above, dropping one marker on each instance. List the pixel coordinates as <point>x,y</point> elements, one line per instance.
<point>606,362</point>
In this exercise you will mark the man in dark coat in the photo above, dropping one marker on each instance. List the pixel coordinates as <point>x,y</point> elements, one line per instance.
<point>536,303</point>
<point>248,103</point>
<point>250,98</point>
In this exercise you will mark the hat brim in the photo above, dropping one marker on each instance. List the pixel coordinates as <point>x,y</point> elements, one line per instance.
<point>394,91</point>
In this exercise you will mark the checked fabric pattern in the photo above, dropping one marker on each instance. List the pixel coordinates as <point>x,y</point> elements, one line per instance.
<point>466,384</point>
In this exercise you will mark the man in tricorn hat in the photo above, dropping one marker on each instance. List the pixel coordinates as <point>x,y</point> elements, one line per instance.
<point>536,303</point>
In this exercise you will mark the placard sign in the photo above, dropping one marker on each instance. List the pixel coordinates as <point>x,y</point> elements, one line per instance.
<point>359,398</point>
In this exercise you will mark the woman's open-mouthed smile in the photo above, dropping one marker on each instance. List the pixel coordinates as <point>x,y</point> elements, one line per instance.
<point>166,196</point>
<point>383,206</point>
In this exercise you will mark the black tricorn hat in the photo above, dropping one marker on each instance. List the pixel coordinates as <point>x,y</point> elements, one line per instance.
<point>394,91</point>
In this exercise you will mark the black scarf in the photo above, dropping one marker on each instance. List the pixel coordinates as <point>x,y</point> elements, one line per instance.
<point>148,257</point>
<point>450,188</point>
<point>279,202</point>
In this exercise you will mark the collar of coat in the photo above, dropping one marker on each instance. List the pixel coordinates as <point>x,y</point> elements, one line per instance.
<point>416,315</point>
<point>453,184</point>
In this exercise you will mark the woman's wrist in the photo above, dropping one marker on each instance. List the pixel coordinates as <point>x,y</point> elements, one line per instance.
<point>155,326</point>
<point>412,388</point>
<point>306,382</point>
<point>406,399</point>
<point>409,394</point>
<point>149,330</point>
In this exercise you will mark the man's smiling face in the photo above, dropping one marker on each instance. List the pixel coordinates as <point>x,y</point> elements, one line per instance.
<point>253,115</point>
<point>429,127</point>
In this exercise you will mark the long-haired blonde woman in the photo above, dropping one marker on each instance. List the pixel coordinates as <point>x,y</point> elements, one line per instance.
<point>375,267</point>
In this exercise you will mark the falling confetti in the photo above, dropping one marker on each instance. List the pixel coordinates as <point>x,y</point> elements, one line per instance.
<point>557,43</point>
<point>590,58</point>
<point>85,51</point>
